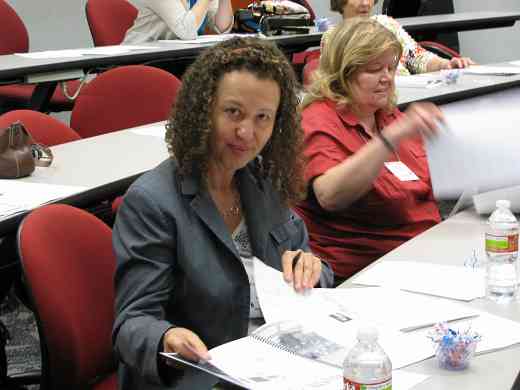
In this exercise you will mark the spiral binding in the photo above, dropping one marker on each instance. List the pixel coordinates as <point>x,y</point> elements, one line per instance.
<point>274,344</point>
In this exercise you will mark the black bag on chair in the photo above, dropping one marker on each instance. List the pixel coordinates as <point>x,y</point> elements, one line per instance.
<point>270,19</point>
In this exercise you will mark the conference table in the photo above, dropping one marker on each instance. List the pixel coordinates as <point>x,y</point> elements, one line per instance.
<point>46,72</point>
<point>467,86</point>
<point>451,242</point>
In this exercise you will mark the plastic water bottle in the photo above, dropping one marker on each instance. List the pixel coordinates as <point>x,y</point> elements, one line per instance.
<point>502,253</point>
<point>367,366</point>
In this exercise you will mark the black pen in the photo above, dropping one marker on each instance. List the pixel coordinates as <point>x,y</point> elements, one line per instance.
<point>295,259</point>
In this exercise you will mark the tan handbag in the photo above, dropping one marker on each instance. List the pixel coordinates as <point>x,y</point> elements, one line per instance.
<point>19,154</point>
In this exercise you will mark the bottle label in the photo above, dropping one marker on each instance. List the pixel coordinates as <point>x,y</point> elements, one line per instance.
<point>351,385</point>
<point>502,243</point>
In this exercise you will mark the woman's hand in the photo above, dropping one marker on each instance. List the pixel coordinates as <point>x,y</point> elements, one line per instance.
<point>301,268</point>
<point>186,343</point>
<point>458,62</point>
<point>419,118</point>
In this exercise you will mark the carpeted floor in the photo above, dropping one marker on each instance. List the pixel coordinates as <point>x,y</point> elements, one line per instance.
<point>23,348</point>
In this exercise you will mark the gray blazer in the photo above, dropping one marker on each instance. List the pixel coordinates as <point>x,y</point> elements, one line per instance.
<point>177,266</point>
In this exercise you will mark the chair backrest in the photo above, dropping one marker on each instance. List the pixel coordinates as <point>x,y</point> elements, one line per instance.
<point>124,97</point>
<point>109,20</point>
<point>68,264</point>
<point>14,36</point>
<point>44,128</point>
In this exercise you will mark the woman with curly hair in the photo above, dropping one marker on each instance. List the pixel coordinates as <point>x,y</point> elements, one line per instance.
<point>187,231</point>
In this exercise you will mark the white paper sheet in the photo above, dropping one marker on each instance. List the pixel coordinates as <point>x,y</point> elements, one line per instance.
<point>424,80</point>
<point>496,332</point>
<point>450,281</point>
<point>17,196</point>
<point>485,203</point>
<point>394,309</point>
<point>153,130</point>
<point>71,53</point>
<point>334,314</point>
<point>492,70</point>
<point>480,152</point>
<point>262,366</point>
<point>207,39</point>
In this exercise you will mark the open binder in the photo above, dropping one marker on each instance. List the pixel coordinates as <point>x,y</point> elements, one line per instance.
<point>277,355</point>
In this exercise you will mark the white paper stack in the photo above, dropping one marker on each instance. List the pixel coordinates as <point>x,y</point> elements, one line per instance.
<point>449,281</point>
<point>17,196</point>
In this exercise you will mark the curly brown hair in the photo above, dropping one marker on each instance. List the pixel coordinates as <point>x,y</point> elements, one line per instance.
<point>189,128</point>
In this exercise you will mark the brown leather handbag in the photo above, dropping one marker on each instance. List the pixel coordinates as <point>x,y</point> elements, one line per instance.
<point>19,154</point>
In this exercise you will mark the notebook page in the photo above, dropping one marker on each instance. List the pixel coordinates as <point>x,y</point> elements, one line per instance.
<point>427,278</point>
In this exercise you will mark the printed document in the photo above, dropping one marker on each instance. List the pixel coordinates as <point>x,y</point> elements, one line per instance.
<point>335,314</point>
<point>479,152</point>
<point>154,130</point>
<point>282,356</point>
<point>18,196</point>
<point>427,278</point>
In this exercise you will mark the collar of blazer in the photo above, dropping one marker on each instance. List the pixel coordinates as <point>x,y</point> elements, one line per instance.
<point>260,203</point>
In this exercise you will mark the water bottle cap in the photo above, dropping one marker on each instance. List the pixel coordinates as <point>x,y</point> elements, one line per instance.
<point>367,333</point>
<point>503,203</point>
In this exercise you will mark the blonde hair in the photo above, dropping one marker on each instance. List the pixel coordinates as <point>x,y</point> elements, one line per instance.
<point>346,49</point>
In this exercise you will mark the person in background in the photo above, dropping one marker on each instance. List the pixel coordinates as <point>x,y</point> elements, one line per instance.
<point>179,19</point>
<point>187,231</point>
<point>414,58</point>
<point>368,179</point>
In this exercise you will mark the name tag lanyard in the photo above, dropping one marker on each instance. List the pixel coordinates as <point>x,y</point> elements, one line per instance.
<point>397,168</point>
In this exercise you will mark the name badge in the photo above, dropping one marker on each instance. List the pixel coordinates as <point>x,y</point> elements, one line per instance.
<point>401,171</point>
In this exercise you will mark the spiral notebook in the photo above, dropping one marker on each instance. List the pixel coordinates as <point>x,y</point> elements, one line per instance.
<point>277,355</point>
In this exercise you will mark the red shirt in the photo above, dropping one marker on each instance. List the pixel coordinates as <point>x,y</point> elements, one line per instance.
<point>390,213</point>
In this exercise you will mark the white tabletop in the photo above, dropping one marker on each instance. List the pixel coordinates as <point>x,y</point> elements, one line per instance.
<point>466,86</point>
<point>451,242</point>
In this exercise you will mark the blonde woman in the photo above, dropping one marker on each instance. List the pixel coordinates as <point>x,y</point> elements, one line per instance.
<point>368,179</point>
<point>414,58</point>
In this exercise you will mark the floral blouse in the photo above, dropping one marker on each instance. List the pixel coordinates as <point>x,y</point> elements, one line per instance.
<point>415,58</point>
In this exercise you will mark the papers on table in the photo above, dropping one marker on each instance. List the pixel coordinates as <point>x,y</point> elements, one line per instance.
<point>485,203</point>
<point>16,196</point>
<point>456,282</point>
<point>152,130</point>
<point>72,53</point>
<point>324,312</point>
<point>480,152</point>
<point>424,80</point>
<point>492,70</point>
<point>207,39</point>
